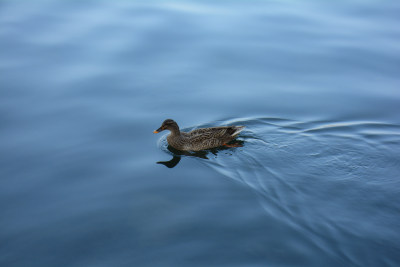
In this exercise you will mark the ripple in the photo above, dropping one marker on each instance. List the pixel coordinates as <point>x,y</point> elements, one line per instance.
<point>315,175</point>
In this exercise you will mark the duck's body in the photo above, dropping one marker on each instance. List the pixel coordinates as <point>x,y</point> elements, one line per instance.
<point>199,139</point>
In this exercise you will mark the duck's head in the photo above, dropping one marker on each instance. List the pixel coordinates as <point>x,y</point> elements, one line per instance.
<point>168,124</point>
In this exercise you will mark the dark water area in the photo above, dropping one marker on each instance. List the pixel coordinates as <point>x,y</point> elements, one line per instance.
<point>84,83</point>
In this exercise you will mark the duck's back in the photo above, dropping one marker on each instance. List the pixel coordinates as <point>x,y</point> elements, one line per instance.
<point>217,132</point>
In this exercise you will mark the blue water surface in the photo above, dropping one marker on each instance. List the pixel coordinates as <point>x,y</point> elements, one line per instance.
<point>84,83</point>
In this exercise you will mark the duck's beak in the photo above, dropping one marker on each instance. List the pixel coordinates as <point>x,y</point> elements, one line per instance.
<point>158,130</point>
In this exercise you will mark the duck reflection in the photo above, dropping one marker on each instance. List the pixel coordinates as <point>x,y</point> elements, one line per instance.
<point>177,154</point>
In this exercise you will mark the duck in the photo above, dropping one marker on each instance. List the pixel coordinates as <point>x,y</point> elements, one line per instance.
<point>199,139</point>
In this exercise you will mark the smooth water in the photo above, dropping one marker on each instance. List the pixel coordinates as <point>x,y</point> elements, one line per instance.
<point>84,83</point>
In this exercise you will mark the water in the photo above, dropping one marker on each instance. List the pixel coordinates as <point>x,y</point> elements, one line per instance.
<point>83,84</point>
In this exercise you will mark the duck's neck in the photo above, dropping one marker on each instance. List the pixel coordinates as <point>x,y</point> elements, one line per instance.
<point>175,131</point>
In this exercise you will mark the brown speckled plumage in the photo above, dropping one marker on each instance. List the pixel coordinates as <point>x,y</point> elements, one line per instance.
<point>199,139</point>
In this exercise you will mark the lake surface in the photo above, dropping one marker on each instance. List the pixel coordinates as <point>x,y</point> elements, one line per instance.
<point>84,83</point>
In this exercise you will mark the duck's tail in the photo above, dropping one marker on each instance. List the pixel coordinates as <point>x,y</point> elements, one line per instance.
<point>237,130</point>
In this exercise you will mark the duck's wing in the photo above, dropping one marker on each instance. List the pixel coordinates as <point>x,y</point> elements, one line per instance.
<point>216,132</point>
<point>206,138</point>
<point>209,132</point>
